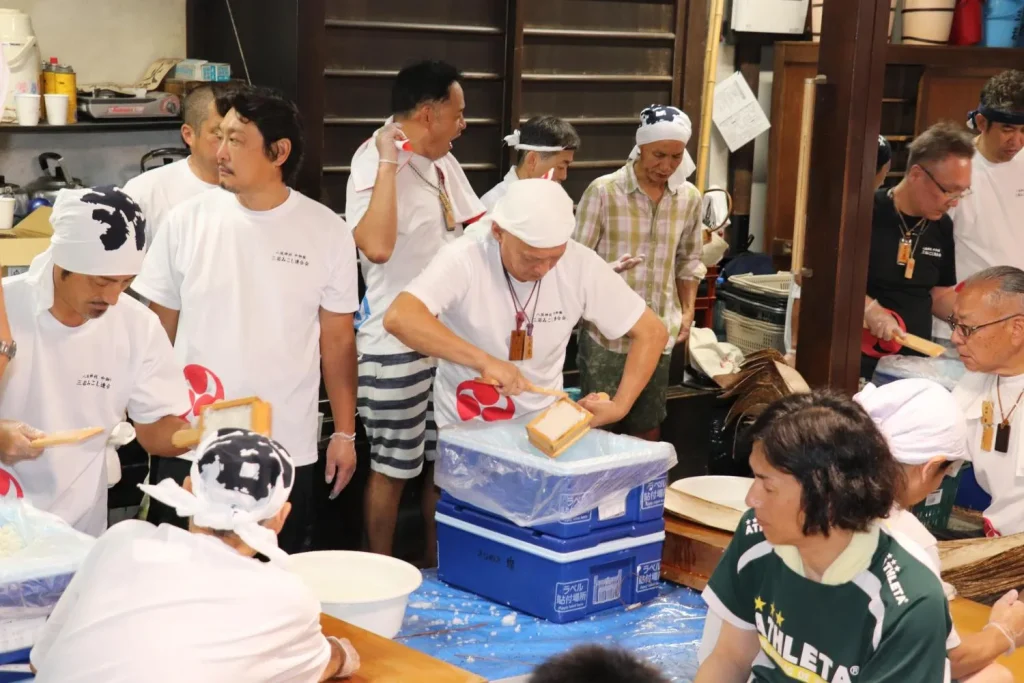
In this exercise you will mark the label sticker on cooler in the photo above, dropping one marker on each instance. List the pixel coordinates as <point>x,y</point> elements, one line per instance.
<point>608,588</point>
<point>653,495</point>
<point>572,596</point>
<point>648,576</point>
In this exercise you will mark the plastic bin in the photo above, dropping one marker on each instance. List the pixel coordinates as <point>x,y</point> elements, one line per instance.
<point>494,467</point>
<point>557,579</point>
<point>1001,23</point>
<point>761,307</point>
<point>642,504</point>
<point>751,336</point>
<point>935,510</point>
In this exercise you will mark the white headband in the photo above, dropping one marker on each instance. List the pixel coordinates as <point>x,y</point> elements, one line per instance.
<point>239,479</point>
<point>513,142</point>
<point>919,418</point>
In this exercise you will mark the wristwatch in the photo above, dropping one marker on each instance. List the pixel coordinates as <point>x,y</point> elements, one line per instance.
<point>8,348</point>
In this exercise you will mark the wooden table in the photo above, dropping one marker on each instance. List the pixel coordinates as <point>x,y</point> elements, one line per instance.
<point>385,661</point>
<point>971,617</point>
<point>691,552</point>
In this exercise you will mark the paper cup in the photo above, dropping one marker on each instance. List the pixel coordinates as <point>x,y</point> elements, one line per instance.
<point>56,109</point>
<point>7,205</point>
<point>27,107</point>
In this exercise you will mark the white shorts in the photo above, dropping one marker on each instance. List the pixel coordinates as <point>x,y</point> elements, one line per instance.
<point>396,407</point>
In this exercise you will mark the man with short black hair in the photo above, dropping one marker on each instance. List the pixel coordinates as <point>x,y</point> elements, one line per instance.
<point>407,196</point>
<point>162,188</point>
<point>257,287</point>
<point>988,331</point>
<point>985,224</point>
<point>812,585</point>
<point>545,147</point>
<point>912,266</point>
<point>596,664</point>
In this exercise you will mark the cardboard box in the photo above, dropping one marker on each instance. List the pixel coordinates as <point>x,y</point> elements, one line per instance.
<point>195,70</point>
<point>28,239</point>
<point>222,72</point>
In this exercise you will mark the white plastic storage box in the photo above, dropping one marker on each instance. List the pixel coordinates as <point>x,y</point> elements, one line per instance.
<point>495,468</point>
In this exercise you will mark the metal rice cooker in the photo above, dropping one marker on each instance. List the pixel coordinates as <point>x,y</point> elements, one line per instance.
<point>54,179</point>
<point>21,197</point>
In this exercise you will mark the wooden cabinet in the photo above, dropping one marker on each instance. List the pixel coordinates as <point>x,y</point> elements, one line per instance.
<point>923,85</point>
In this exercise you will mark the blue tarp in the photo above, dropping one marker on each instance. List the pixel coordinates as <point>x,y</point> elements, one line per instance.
<point>496,642</point>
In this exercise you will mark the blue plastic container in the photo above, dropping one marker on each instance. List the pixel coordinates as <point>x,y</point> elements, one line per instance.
<point>1002,21</point>
<point>642,504</point>
<point>557,579</point>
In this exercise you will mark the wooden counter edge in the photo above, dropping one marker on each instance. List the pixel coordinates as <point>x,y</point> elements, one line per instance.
<point>388,661</point>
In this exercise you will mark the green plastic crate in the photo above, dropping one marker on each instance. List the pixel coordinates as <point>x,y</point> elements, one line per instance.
<point>935,510</point>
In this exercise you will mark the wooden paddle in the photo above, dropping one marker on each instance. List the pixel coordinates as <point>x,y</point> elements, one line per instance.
<point>531,388</point>
<point>65,438</point>
<point>920,344</point>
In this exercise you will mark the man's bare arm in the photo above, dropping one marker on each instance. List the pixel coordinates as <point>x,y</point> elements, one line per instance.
<point>168,319</point>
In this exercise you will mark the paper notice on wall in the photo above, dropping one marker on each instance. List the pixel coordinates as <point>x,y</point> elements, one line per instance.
<point>737,113</point>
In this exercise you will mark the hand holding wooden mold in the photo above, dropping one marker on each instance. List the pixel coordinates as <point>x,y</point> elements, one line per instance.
<point>243,413</point>
<point>558,427</point>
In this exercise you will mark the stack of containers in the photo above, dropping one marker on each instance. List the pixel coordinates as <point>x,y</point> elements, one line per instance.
<point>561,538</point>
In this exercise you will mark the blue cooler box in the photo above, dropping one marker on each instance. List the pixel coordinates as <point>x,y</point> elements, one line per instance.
<point>642,504</point>
<point>495,468</point>
<point>557,579</point>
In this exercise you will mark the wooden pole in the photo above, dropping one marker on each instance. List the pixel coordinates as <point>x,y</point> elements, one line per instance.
<point>708,97</point>
<point>848,110</point>
<point>803,177</point>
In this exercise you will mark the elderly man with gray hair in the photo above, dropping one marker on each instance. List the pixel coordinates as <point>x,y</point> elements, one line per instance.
<point>988,331</point>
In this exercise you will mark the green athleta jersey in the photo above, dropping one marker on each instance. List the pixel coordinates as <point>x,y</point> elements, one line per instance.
<point>889,624</point>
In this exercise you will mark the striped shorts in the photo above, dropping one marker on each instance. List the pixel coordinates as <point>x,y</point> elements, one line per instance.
<point>396,407</point>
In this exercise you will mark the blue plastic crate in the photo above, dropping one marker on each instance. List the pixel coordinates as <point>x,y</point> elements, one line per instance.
<point>558,579</point>
<point>642,504</point>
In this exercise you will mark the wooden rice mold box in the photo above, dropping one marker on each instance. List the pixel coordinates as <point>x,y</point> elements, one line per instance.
<point>557,428</point>
<point>249,413</point>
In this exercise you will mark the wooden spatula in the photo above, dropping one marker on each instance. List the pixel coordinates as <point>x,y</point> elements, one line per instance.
<point>532,388</point>
<point>71,436</point>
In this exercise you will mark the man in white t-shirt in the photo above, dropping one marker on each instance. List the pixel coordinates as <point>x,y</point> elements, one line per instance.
<point>87,355</point>
<point>160,189</point>
<point>986,224</point>
<point>926,433</point>
<point>256,286</point>
<point>545,147</point>
<point>406,197</point>
<point>526,280</point>
<point>988,331</point>
<point>220,614</point>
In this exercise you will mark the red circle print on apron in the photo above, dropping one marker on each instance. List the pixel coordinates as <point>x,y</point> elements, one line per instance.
<point>478,400</point>
<point>204,388</point>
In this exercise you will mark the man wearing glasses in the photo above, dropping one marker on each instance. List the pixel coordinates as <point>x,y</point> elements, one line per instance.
<point>988,331</point>
<point>912,267</point>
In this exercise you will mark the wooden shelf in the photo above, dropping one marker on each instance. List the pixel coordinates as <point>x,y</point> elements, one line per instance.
<point>597,78</point>
<point>597,120</point>
<point>375,121</point>
<point>898,138</point>
<point>111,126</point>
<point>599,164</point>
<point>410,26</point>
<point>391,73</point>
<point>538,31</point>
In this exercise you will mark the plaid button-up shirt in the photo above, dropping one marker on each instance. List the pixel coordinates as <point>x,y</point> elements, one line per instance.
<point>616,217</point>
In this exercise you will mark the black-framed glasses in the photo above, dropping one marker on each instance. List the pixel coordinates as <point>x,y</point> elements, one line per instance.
<point>967,330</point>
<point>950,195</point>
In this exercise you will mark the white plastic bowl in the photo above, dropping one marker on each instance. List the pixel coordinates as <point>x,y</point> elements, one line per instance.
<point>367,590</point>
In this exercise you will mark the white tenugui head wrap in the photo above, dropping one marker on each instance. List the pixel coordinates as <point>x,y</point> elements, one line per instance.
<point>537,211</point>
<point>919,418</point>
<point>239,479</point>
<point>96,231</point>
<point>659,122</point>
<point>515,142</point>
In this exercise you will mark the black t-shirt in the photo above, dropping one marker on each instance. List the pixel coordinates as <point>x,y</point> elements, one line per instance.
<point>935,264</point>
